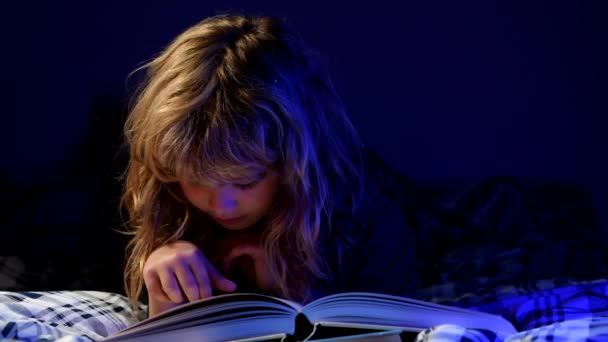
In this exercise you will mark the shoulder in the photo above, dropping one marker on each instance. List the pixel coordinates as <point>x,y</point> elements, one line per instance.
<point>371,248</point>
<point>380,205</point>
<point>362,242</point>
<point>381,222</point>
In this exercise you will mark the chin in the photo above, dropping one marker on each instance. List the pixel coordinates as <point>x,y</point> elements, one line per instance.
<point>239,225</point>
<point>235,228</point>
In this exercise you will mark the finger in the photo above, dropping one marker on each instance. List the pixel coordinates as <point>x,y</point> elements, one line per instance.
<point>155,288</point>
<point>219,281</point>
<point>170,286</point>
<point>263,275</point>
<point>253,251</point>
<point>187,281</point>
<point>198,267</point>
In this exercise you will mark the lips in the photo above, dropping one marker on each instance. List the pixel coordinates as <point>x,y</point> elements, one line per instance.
<point>230,221</point>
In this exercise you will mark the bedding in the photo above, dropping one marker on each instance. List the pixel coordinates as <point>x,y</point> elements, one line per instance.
<point>544,311</point>
<point>63,315</point>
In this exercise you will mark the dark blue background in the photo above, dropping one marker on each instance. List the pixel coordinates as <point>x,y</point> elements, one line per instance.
<point>440,89</point>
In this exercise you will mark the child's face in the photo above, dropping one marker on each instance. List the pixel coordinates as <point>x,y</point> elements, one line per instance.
<point>234,206</point>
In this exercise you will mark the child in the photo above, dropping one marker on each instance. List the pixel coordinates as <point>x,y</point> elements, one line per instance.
<point>245,174</point>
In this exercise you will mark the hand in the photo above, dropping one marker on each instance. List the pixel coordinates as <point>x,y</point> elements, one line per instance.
<point>245,252</point>
<point>179,272</point>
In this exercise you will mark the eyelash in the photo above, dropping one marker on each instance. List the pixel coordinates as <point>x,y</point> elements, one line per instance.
<point>251,184</point>
<point>248,185</point>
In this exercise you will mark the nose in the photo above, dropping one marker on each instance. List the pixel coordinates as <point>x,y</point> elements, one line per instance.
<point>224,202</point>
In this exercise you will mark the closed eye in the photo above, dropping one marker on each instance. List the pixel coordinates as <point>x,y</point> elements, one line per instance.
<point>252,184</point>
<point>248,185</point>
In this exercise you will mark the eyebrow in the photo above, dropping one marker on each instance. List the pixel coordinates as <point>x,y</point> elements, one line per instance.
<point>257,177</point>
<point>246,179</point>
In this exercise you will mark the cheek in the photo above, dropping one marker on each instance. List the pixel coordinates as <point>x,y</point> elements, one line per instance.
<point>250,201</point>
<point>264,198</point>
<point>196,196</point>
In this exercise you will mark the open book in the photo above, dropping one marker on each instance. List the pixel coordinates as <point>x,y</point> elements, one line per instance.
<point>346,316</point>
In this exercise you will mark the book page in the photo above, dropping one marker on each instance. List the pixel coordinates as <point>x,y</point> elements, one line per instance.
<point>227,314</point>
<point>240,299</point>
<point>353,333</point>
<point>391,311</point>
<point>247,330</point>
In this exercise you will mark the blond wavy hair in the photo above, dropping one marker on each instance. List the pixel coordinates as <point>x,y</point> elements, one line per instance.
<point>231,94</point>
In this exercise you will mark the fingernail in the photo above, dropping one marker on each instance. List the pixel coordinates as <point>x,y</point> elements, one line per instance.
<point>232,286</point>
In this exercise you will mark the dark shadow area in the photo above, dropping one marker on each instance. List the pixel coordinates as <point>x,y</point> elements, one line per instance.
<point>63,234</point>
